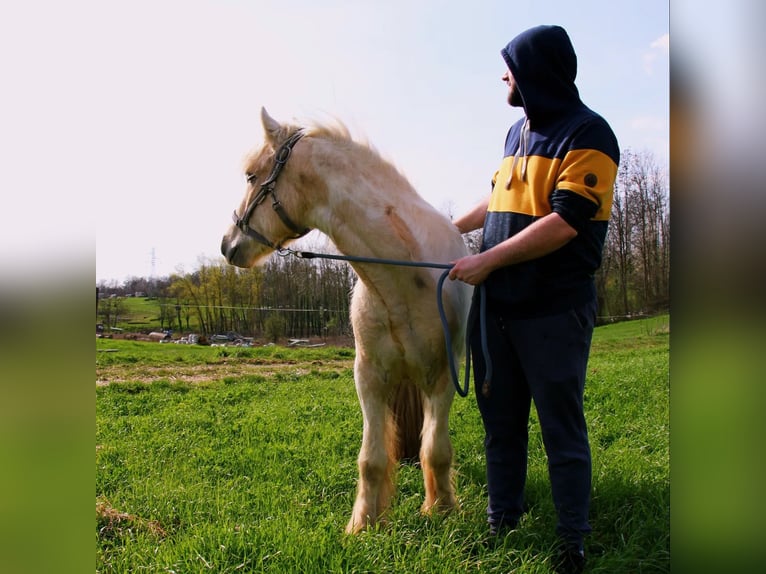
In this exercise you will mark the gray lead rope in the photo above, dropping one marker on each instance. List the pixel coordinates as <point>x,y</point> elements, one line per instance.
<point>478,296</point>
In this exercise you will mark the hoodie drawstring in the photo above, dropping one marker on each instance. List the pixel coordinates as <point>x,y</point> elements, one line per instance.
<point>522,149</point>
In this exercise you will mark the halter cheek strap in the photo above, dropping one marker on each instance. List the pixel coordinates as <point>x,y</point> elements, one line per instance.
<point>267,188</point>
<point>252,233</point>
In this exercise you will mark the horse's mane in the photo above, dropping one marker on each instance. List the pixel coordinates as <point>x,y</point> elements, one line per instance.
<point>337,131</point>
<point>334,129</point>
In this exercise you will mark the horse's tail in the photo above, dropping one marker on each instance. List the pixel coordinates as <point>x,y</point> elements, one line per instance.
<point>407,411</point>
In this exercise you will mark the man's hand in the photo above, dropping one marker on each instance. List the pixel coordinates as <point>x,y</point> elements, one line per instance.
<point>542,237</point>
<point>472,269</point>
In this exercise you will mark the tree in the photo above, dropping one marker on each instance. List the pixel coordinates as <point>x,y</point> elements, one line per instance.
<point>110,309</point>
<point>634,275</point>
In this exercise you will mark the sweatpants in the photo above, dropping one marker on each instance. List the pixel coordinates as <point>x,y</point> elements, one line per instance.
<point>543,359</point>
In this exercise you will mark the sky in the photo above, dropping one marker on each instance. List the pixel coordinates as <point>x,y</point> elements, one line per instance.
<point>134,118</point>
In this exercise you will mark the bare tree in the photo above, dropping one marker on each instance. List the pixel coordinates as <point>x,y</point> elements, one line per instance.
<point>634,275</point>
<point>110,310</point>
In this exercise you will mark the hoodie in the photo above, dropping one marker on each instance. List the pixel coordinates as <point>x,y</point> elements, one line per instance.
<point>562,157</point>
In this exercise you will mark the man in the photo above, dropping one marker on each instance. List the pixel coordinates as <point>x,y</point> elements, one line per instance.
<point>544,228</point>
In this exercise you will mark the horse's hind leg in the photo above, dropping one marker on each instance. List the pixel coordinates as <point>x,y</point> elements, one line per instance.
<point>436,451</point>
<point>376,457</point>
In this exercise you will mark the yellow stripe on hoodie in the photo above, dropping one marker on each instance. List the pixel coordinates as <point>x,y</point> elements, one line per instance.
<point>546,174</point>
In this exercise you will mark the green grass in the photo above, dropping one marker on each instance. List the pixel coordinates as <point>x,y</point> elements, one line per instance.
<point>142,315</point>
<point>139,314</point>
<point>253,469</point>
<point>125,352</point>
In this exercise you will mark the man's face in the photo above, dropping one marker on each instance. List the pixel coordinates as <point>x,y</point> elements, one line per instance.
<point>514,95</point>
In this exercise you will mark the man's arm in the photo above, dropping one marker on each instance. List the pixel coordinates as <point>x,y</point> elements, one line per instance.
<point>544,236</point>
<point>474,219</point>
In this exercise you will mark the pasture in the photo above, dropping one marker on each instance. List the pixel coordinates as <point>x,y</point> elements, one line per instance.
<point>212,459</point>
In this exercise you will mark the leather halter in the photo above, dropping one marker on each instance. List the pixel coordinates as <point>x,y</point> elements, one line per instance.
<point>267,188</point>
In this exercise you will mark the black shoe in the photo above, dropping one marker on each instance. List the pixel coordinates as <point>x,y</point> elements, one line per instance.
<point>497,534</point>
<point>569,560</point>
<point>498,530</point>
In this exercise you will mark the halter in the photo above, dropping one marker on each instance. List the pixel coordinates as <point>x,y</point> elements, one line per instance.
<point>267,188</point>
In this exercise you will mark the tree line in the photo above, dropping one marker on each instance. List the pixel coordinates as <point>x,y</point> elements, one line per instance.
<point>634,277</point>
<point>287,296</point>
<point>302,298</point>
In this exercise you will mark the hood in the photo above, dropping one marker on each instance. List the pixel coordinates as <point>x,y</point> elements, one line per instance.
<point>544,65</point>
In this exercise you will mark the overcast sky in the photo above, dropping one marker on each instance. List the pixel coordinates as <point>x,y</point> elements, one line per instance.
<point>141,112</point>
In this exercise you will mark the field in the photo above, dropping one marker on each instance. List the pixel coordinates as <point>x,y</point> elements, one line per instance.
<point>142,314</point>
<point>212,459</point>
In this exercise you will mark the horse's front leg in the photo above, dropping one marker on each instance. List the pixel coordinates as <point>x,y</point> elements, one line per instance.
<point>376,459</point>
<point>436,450</point>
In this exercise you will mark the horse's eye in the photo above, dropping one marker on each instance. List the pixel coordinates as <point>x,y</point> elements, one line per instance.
<point>251,177</point>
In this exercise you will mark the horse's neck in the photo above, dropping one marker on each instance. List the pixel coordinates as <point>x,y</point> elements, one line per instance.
<point>372,211</point>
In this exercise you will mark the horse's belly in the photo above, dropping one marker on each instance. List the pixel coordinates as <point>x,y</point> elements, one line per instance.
<point>405,339</point>
<point>400,356</point>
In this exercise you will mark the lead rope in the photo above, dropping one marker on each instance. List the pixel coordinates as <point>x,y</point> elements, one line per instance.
<point>478,298</point>
<point>478,293</point>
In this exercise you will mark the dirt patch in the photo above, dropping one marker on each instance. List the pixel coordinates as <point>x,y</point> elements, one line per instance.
<point>336,341</point>
<point>202,373</point>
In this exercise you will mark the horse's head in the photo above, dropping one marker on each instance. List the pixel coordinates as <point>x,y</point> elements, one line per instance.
<point>271,212</point>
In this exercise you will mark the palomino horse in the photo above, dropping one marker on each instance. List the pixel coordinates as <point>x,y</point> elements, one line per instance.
<point>368,209</point>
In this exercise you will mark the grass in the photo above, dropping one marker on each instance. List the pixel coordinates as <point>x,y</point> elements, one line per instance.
<point>251,467</point>
<point>141,314</point>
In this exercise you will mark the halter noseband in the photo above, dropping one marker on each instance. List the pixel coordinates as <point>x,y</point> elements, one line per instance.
<point>267,188</point>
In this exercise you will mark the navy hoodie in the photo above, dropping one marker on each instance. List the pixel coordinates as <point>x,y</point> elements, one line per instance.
<point>561,157</point>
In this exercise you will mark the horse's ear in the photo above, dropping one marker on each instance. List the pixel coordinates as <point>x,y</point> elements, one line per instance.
<point>272,128</point>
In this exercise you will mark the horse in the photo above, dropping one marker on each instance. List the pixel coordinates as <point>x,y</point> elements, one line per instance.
<point>346,190</point>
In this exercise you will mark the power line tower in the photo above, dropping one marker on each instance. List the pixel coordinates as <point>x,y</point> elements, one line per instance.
<point>154,263</point>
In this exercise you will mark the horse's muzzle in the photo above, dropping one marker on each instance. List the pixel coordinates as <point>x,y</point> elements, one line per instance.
<point>228,250</point>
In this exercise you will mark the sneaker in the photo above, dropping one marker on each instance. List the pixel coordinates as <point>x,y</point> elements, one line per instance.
<point>569,560</point>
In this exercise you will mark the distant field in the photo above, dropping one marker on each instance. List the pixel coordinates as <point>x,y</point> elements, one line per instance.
<point>138,314</point>
<point>212,459</point>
